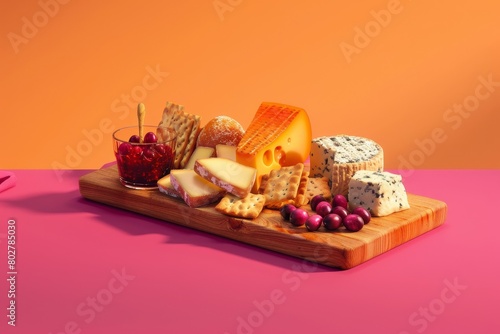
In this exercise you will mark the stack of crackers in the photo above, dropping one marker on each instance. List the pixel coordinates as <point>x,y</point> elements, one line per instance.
<point>287,185</point>
<point>187,128</point>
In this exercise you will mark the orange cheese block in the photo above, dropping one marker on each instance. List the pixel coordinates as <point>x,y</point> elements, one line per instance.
<point>278,136</point>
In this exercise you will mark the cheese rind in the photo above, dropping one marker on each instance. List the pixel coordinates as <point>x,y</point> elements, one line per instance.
<point>381,193</point>
<point>193,189</point>
<point>278,136</point>
<point>232,176</point>
<point>339,157</point>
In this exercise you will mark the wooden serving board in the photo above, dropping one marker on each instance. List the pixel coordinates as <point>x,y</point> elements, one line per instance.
<point>341,249</point>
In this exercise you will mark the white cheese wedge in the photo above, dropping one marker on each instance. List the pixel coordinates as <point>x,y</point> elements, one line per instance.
<point>193,189</point>
<point>200,152</point>
<point>225,151</point>
<point>232,176</point>
<point>381,193</point>
<point>339,157</point>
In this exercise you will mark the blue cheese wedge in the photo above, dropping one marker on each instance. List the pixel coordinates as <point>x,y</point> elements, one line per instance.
<point>339,157</point>
<point>381,193</point>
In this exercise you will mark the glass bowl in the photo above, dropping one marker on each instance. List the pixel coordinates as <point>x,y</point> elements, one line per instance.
<point>141,165</point>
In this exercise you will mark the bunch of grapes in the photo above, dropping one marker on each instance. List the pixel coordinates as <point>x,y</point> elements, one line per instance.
<point>332,215</point>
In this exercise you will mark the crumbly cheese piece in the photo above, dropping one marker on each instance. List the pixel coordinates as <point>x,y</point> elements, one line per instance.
<point>234,177</point>
<point>193,189</point>
<point>339,157</point>
<point>381,193</point>
<point>278,136</point>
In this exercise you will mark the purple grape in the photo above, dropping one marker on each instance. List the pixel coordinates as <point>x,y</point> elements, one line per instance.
<point>332,221</point>
<point>313,223</point>
<point>315,200</point>
<point>150,137</point>
<point>298,217</point>
<point>363,213</point>
<point>323,208</point>
<point>286,210</point>
<point>339,200</point>
<point>134,139</point>
<point>353,222</point>
<point>341,211</point>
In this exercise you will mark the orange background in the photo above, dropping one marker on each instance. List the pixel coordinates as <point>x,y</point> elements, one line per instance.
<point>65,81</point>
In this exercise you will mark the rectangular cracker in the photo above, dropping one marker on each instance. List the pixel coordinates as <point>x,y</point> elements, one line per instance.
<point>248,207</point>
<point>191,142</point>
<point>171,112</point>
<point>175,117</point>
<point>283,184</point>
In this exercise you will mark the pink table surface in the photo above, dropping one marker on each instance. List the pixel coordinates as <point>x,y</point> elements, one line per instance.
<point>83,267</point>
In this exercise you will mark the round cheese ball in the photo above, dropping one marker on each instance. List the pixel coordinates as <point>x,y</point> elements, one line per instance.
<point>220,130</point>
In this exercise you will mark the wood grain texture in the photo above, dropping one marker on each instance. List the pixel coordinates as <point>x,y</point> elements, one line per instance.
<point>341,249</point>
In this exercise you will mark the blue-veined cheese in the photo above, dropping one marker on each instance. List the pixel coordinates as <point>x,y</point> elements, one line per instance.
<point>339,157</point>
<point>381,193</point>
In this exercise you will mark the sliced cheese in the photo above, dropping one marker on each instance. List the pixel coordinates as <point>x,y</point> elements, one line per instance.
<point>165,186</point>
<point>200,152</point>
<point>278,136</point>
<point>225,151</point>
<point>234,177</point>
<point>381,193</point>
<point>193,189</point>
<point>339,157</point>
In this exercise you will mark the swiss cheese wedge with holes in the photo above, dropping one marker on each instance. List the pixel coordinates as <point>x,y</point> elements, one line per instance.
<point>278,136</point>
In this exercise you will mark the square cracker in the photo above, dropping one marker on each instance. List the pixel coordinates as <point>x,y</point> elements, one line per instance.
<point>175,117</point>
<point>318,186</point>
<point>300,199</point>
<point>283,184</point>
<point>248,207</point>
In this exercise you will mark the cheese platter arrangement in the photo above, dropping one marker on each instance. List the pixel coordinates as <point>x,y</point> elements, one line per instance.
<point>327,200</point>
